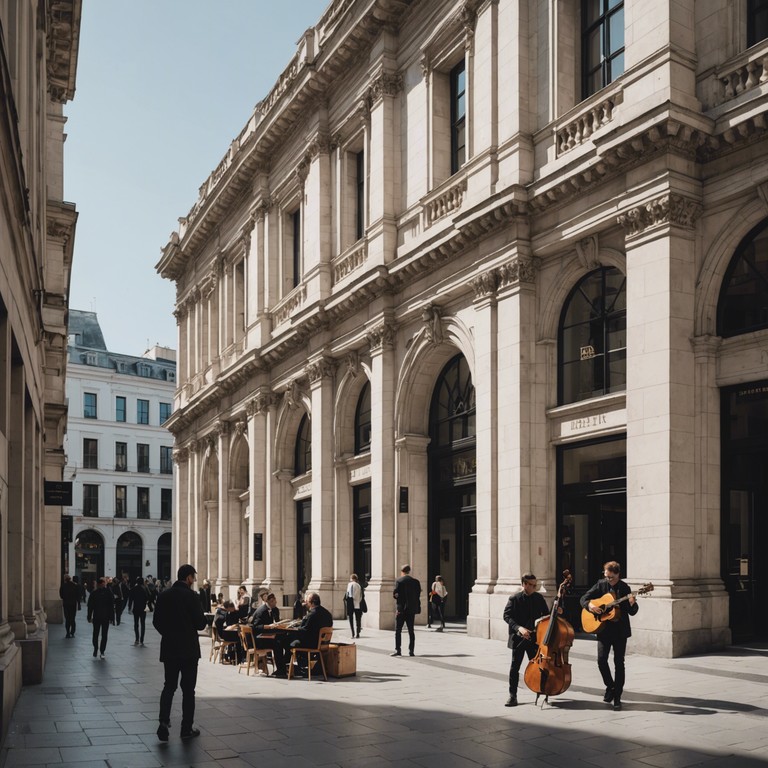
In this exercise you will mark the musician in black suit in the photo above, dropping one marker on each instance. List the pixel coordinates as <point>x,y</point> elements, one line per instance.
<point>407,593</point>
<point>612,634</point>
<point>268,613</point>
<point>307,634</point>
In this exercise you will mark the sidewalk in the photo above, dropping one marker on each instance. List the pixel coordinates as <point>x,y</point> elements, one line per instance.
<point>442,709</point>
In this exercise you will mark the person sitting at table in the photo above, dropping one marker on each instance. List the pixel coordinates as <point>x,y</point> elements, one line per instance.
<point>307,634</point>
<point>243,602</point>
<point>268,613</point>
<point>226,627</point>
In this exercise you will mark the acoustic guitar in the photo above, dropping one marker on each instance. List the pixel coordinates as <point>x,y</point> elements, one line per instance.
<point>593,622</point>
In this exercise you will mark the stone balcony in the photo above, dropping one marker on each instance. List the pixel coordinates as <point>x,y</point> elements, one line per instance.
<point>745,72</point>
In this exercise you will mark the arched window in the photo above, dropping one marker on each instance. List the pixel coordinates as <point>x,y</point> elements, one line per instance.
<point>303,456</point>
<point>592,348</point>
<point>452,415</point>
<point>743,304</point>
<point>363,421</point>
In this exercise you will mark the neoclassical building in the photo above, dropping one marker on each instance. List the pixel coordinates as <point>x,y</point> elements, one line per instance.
<point>38,63</point>
<point>482,287</point>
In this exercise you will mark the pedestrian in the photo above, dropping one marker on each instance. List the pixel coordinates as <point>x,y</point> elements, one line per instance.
<point>353,600</point>
<point>138,599</point>
<point>101,613</point>
<point>80,592</point>
<point>117,592</point>
<point>178,617</point>
<point>69,592</point>
<point>437,596</point>
<point>612,635</point>
<point>407,593</point>
<point>521,612</point>
<point>205,596</point>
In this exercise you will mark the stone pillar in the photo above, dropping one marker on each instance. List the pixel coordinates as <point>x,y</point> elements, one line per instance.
<point>320,372</point>
<point>229,523</point>
<point>183,526</point>
<point>383,501</point>
<point>663,536</point>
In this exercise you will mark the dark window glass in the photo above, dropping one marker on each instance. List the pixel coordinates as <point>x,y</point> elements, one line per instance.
<point>89,405</point>
<point>602,44</point>
<point>593,337</point>
<point>90,453</point>
<point>165,412</point>
<point>360,195</point>
<point>757,21</point>
<point>296,222</point>
<point>363,421</point>
<point>90,500</point>
<point>453,412</point>
<point>142,411</point>
<point>121,493</point>
<point>303,457</point>
<point>142,457</point>
<point>743,304</point>
<point>142,503</point>
<point>166,460</point>
<point>119,409</point>
<point>121,457</point>
<point>458,116</point>
<point>166,503</point>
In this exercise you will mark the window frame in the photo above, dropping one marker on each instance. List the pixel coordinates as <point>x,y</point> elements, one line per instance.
<point>90,410</point>
<point>142,502</point>
<point>121,408</point>
<point>169,407</point>
<point>90,500</point>
<point>166,460</point>
<point>361,445</point>
<point>458,99</point>
<point>302,455</point>
<point>121,454</point>
<point>601,24</point>
<point>295,220</point>
<point>142,467</point>
<point>142,413</point>
<point>755,9</point>
<point>121,504</point>
<point>166,504</point>
<point>90,453</point>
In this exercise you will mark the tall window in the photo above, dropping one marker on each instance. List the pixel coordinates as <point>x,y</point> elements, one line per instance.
<point>602,43</point>
<point>142,411</point>
<point>296,245</point>
<point>166,460</point>
<point>303,454</point>
<point>119,408</point>
<point>121,457</point>
<point>757,21</point>
<point>121,494</point>
<point>90,453</point>
<point>593,337</point>
<point>142,503</point>
<point>90,500</point>
<point>743,305</point>
<point>89,405</point>
<point>363,421</point>
<point>453,407</point>
<point>142,457</point>
<point>165,412</point>
<point>166,503</point>
<point>458,116</point>
<point>359,195</point>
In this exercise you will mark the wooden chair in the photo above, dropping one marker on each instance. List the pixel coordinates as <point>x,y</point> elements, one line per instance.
<point>254,657</point>
<point>323,641</point>
<point>218,646</point>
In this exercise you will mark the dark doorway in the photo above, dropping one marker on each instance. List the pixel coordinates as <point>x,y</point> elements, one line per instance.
<point>164,556</point>
<point>89,556</point>
<point>303,544</point>
<point>130,556</point>
<point>362,532</point>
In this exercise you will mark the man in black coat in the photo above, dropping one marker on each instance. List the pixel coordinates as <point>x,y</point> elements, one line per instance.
<point>520,613</point>
<point>307,634</point>
<point>69,592</point>
<point>268,613</point>
<point>612,634</point>
<point>178,617</point>
<point>101,612</point>
<point>407,593</point>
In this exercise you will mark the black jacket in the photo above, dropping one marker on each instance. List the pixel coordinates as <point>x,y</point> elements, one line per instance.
<point>522,611</point>
<point>178,617</point>
<point>407,593</point>
<point>620,590</point>
<point>101,605</point>
<point>263,615</point>
<point>138,598</point>
<point>205,598</point>
<point>69,594</point>
<point>309,631</point>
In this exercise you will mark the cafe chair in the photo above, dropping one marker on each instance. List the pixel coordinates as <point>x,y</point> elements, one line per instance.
<point>323,641</point>
<point>254,657</point>
<point>219,646</point>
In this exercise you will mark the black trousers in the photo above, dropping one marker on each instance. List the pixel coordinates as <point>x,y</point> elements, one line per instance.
<point>407,618</point>
<point>139,618</point>
<point>103,628</point>
<point>118,611</point>
<point>187,668</point>
<point>271,643</point>
<point>69,618</point>
<point>356,615</point>
<point>612,638</point>
<point>518,654</point>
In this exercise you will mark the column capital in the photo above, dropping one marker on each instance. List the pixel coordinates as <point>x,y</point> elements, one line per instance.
<point>321,368</point>
<point>485,285</point>
<point>705,347</point>
<point>669,208</point>
<point>181,455</point>
<point>263,399</point>
<point>520,269</point>
<point>381,336</point>
<point>384,84</point>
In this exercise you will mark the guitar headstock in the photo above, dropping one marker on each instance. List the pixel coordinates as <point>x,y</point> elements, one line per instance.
<point>566,584</point>
<point>645,589</point>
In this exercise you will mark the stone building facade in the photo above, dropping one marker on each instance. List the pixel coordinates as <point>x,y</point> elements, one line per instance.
<point>38,62</point>
<point>119,456</point>
<point>481,287</point>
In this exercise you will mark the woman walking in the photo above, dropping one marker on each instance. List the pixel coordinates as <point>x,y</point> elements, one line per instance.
<point>438,595</point>
<point>137,600</point>
<point>353,600</point>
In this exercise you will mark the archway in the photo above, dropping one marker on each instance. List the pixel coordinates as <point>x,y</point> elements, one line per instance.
<point>129,558</point>
<point>164,557</point>
<point>89,556</point>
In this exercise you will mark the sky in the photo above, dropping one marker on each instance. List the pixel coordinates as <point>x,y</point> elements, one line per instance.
<point>163,86</point>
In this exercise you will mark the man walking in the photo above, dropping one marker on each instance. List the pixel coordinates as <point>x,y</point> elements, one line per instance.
<point>70,595</point>
<point>407,593</point>
<point>101,612</point>
<point>178,617</point>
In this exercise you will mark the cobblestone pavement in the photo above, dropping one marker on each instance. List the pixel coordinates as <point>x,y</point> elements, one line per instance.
<point>444,708</point>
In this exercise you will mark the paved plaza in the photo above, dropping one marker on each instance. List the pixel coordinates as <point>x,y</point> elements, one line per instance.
<point>442,709</point>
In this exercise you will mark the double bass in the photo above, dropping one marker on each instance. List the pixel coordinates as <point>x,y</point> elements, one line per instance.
<point>549,673</point>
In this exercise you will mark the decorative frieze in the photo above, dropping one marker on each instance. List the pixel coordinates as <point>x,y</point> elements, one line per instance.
<point>431,317</point>
<point>386,84</point>
<point>321,368</point>
<point>667,209</point>
<point>291,303</point>
<point>521,269</point>
<point>381,336</point>
<point>485,284</point>
<point>261,402</point>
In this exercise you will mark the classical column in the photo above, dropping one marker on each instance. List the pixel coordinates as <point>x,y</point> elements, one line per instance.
<point>182,527</point>
<point>381,339</point>
<point>663,535</point>
<point>320,372</point>
<point>229,515</point>
<point>256,271</point>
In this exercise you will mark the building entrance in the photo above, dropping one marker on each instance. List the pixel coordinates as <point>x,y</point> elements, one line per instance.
<point>303,544</point>
<point>745,508</point>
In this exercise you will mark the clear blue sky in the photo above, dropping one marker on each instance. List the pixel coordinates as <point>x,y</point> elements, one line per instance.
<point>163,86</point>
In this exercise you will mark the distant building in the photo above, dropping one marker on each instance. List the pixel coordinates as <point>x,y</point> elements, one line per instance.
<point>482,286</point>
<point>119,456</point>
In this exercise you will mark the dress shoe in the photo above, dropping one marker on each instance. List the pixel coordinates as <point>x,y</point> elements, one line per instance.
<point>162,731</point>
<point>439,629</point>
<point>95,652</point>
<point>396,653</point>
<point>511,701</point>
<point>190,733</point>
<point>617,705</point>
<point>411,653</point>
<point>608,698</point>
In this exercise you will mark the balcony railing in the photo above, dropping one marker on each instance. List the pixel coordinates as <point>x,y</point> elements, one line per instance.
<point>446,200</point>
<point>350,260</point>
<point>287,306</point>
<point>591,115</point>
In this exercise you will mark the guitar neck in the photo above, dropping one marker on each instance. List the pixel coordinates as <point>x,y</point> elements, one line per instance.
<point>621,599</point>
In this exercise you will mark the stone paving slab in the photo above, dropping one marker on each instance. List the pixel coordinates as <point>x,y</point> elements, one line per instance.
<point>443,708</point>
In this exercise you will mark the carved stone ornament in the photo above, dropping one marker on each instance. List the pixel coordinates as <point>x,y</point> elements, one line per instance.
<point>320,369</point>
<point>261,402</point>
<point>320,145</point>
<point>302,169</point>
<point>352,362</point>
<point>386,84</point>
<point>425,65</point>
<point>293,395</point>
<point>667,209</point>
<point>240,428</point>
<point>485,284</point>
<point>211,442</point>
<point>262,209</point>
<point>521,269</point>
<point>381,336</point>
<point>431,316</point>
<point>221,428</point>
<point>58,230</point>
<point>181,455</point>
<point>586,250</point>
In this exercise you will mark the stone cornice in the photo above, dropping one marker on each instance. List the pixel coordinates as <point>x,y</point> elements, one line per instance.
<point>63,41</point>
<point>669,208</point>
